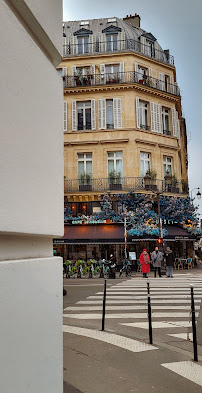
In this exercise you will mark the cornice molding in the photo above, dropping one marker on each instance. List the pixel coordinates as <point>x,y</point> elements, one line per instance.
<point>168,146</point>
<point>146,142</point>
<point>114,141</point>
<point>131,86</point>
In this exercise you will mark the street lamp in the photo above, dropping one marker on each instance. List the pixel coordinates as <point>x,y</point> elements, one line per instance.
<point>198,193</point>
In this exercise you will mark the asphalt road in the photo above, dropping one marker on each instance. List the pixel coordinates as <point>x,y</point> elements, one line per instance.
<point>98,366</point>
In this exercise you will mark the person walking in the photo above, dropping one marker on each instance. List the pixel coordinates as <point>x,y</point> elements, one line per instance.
<point>169,261</point>
<point>145,263</point>
<point>157,258</point>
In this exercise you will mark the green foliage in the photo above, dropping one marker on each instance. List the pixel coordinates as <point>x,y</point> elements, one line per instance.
<point>114,177</point>
<point>85,178</point>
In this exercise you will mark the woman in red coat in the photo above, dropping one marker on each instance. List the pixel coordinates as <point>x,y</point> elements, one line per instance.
<point>145,262</point>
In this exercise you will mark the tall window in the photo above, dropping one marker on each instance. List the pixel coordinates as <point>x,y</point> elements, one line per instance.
<point>112,69</point>
<point>144,163</point>
<point>109,114</point>
<point>165,120</point>
<point>83,44</point>
<point>85,163</point>
<point>142,72</point>
<point>111,42</point>
<point>115,162</point>
<point>149,49</point>
<point>167,165</point>
<point>143,110</point>
<point>84,115</point>
<point>83,71</point>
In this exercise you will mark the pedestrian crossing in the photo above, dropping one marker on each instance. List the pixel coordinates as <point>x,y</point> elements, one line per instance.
<point>126,303</point>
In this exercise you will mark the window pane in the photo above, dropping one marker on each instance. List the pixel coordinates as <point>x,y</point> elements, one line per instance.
<point>89,167</point>
<point>116,68</point>
<point>80,118</point>
<point>142,167</point>
<point>118,154</point>
<point>88,119</point>
<point>80,45</point>
<point>119,166</point>
<point>80,167</point>
<point>110,154</point>
<point>80,156</point>
<point>109,116</point>
<point>110,166</point>
<point>88,155</point>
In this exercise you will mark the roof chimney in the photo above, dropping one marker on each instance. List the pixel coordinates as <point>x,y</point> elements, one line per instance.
<point>133,19</point>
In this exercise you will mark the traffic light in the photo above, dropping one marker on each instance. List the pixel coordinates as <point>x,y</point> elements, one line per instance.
<point>160,241</point>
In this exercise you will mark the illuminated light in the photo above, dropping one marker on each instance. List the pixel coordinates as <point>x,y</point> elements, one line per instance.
<point>160,241</point>
<point>83,207</point>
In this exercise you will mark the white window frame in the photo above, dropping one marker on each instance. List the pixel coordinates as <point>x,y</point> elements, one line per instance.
<point>112,42</point>
<point>85,159</point>
<point>167,162</point>
<point>143,113</point>
<point>82,45</point>
<point>112,105</point>
<point>86,105</point>
<point>84,23</point>
<point>115,158</point>
<point>145,160</point>
<point>165,113</point>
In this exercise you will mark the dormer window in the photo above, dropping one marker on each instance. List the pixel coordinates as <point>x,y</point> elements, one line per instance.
<point>111,41</point>
<point>83,44</point>
<point>111,20</point>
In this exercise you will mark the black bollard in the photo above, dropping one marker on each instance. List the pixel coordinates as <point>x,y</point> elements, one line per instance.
<point>149,314</point>
<point>194,325</point>
<point>104,304</point>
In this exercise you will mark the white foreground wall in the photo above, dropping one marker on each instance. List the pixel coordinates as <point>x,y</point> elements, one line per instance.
<point>31,196</point>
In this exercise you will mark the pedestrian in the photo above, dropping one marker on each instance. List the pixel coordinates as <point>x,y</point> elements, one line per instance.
<point>157,258</point>
<point>169,261</point>
<point>145,263</point>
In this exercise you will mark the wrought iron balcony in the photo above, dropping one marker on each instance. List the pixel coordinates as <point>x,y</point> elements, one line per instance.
<point>117,46</point>
<point>138,184</point>
<point>144,127</point>
<point>120,77</point>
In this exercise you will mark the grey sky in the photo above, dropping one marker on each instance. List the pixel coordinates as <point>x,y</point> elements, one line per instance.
<point>177,25</point>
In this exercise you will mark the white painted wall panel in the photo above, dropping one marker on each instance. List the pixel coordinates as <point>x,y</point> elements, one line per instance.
<point>31,326</point>
<point>31,137</point>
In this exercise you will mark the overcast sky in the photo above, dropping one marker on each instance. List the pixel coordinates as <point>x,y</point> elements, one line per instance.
<point>177,25</point>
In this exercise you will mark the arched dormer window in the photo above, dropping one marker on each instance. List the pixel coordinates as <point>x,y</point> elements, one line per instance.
<point>111,39</point>
<point>83,41</point>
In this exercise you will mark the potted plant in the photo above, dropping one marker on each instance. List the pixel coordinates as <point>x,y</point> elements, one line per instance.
<point>115,180</point>
<point>150,180</point>
<point>85,182</point>
<point>174,185</point>
<point>185,186</point>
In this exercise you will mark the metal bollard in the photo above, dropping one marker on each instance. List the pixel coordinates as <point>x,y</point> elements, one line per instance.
<point>194,325</point>
<point>149,314</point>
<point>104,304</point>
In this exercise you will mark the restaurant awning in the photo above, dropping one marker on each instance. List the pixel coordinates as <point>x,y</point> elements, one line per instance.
<point>114,234</point>
<point>92,234</point>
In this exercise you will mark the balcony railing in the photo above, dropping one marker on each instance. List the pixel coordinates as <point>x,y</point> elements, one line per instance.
<point>120,77</point>
<point>167,132</point>
<point>137,184</point>
<point>117,46</point>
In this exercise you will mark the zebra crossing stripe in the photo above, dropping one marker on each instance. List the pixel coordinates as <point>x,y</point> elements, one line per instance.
<point>110,338</point>
<point>159,324</point>
<point>183,336</point>
<point>117,308</point>
<point>162,296</point>
<point>142,301</point>
<point>129,315</point>
<point>145,293</point>
<point>186,369</point>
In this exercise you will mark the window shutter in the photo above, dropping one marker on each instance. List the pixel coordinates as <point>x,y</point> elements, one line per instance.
<point>178,132</point>
<point>102,114</point>
<point>74,117</point>
<point>73,45</point>
<point>64,71</point>
<point>172,87</point>
<point>117,113</point>
<point>150,72</point>
<point>93,118</point>
<point>152,111</point>
<point>174,122</point>
<point>162,81</point>
<point>143,48</point>
<point>64,46</point>
<point>137,113</point>
<point>121,70</point>
<point>159,119</point>
<point>65,115</point>
<point>102,72</point>
<point>121,40</point>
<point>158,51</point>
<point>92,71</point>
<point>74,70</point>
<point>92,42</point>
<point>102,43</point>
<point>136,72</point>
